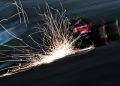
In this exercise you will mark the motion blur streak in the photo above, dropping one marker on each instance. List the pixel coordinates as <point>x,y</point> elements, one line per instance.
<point>5,37</point>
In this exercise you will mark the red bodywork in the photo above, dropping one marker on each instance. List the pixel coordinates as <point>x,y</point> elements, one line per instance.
<point>82,28</point>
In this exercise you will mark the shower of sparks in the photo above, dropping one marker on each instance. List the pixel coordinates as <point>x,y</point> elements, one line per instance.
<point>58,41</point>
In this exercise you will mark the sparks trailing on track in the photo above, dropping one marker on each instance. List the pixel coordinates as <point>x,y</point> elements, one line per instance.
<point>58,42</point>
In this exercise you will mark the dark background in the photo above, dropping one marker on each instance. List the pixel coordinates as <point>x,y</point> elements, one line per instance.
<point>99,67</point>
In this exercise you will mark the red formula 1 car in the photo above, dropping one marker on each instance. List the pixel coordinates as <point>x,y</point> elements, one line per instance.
<point>81,27</point>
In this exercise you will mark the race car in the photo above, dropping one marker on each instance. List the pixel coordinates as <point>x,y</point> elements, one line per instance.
<point>81,27</point>
<point>94,34</point>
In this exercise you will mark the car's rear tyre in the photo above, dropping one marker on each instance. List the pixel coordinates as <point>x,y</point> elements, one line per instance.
<point>113,31</point>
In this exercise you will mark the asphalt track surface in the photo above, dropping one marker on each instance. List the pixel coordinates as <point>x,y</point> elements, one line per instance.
<point>99,67</point>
